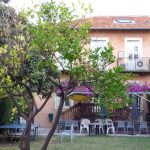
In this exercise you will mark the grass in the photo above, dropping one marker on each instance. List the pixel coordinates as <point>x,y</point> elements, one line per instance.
<point>89,143</point>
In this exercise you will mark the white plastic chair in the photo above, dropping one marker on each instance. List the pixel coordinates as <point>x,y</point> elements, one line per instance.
<point>130,126</point>
<point>143,125</point>
<point>84,125</point>
<point>110,126</point>
<point>121,125</point>
<point>100,122</point>
<point>68,133</point>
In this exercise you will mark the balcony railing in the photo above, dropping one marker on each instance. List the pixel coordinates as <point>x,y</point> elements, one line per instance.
<point>141,64</point>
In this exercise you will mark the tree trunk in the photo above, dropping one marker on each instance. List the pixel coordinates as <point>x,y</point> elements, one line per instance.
<point>24,142</point>
<point>53,128</point>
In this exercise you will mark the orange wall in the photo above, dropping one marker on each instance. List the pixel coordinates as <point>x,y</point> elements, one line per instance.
<point>117,39</point>
<point>50,107</point>
<point>42,116</point>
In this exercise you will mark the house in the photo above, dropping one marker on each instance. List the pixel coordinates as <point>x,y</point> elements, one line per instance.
<point>130,37</point>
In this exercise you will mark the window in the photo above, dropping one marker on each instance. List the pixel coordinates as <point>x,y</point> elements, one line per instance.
<point>99,43</point>
<point>124,21</point>
<point>60,62</point>
<point>133,46</point>
<point>138,102</point>
<point>67,102</point>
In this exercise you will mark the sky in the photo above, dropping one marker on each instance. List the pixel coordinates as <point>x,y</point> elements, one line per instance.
<point>101,7</point>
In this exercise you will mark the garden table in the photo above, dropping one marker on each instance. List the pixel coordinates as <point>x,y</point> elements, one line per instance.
<point>95,126</point>
<point>14,129</point>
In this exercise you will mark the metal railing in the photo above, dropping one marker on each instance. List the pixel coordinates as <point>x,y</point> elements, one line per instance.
<point>141,64</point>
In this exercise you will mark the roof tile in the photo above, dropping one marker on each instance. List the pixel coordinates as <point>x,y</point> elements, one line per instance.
<point>110,22</point>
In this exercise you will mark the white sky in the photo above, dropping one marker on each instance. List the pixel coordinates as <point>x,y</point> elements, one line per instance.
<point>102,7</point>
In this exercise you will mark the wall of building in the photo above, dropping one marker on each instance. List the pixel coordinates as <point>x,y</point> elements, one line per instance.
<point>117,39</point>
<point>42,116</point>
<point>51,107</point>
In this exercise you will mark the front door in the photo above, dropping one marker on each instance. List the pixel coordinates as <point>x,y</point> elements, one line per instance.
<point>133,51</point>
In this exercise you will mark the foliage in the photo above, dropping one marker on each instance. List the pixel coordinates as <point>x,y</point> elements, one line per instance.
<point>35,54</point>
<point>108,82</point>
<point>6,107</point>
<point>29,65</point>
<point>5,1</point>
<point>7,24</point>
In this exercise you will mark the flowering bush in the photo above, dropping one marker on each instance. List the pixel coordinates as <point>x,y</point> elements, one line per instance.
<point>85,90</point>
<point>139,87</point>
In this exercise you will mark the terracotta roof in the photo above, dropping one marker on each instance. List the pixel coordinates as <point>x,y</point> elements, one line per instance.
<point>121,22</point>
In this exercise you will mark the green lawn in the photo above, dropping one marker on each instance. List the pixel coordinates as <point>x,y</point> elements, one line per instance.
<point>90,143</point>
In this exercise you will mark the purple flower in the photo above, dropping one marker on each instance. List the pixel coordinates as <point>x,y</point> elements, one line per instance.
<point>81,89</point>
<point>138,87</point>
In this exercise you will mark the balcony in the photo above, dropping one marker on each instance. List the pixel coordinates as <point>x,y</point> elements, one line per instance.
<point>134,64</point>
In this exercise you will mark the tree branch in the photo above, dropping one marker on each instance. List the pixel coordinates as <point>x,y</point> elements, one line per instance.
<point>39,109</point>
<point>19,109</point>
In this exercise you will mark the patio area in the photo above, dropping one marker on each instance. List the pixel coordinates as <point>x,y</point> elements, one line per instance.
<point>102,127</point>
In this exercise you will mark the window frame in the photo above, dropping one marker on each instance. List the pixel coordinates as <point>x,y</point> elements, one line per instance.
<point>134,39</point>
<point>99,39</point>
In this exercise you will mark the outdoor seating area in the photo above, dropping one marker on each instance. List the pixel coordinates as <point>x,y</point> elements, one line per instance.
<point>104,127</point>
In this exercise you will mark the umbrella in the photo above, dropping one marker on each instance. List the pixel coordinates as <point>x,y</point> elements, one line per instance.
<point>103,113</point>
<point>135,112</point>
<point>80,96</point>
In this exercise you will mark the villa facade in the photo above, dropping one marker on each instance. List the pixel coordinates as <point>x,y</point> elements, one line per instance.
<point>130,37</point>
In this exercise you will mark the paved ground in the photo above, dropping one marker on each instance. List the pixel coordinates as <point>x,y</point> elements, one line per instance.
<point>44,132</point>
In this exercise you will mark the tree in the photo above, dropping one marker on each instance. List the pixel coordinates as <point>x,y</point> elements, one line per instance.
<point>29,62</point>
<point>108,82</point>
<point>35,53</point>
<point>5,1</point>
<point>6,107</point>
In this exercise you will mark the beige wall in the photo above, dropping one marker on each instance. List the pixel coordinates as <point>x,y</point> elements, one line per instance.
<point>117,39</point>
<point>50,107</point>
<point>42,116</point>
